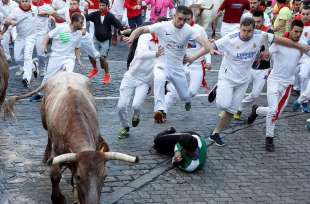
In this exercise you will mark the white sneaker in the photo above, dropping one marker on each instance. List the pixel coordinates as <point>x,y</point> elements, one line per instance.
<point>19,73</point>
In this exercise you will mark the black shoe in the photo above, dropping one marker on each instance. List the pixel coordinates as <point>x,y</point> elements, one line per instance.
<point>212,94</point>
<point>188,106</point>
<point>253,114</point>
<point>135,120</point>
<point>25,83</point>
<point>36,69</point>
<point>269,144</point>
<point>217,139</point>
<point>36,98</point>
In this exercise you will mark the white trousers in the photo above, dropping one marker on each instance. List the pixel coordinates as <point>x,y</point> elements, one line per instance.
<point>305,95</point>
<point>5,42</point>
<point>228,27</point>
<point>304,74</point>
<point>19,46</point>
<point>88,47</point>
<point>258,77</point>
<point>229,95</point>
<point>33,41</point>
<point>177,78</point>
<point>130,88</point>
<point>297,78</point>
<point>278,94</point>
<point>194,76</point>
<point>56,64</point>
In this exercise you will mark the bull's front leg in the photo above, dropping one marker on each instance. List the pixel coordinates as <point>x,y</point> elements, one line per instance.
<point>47,152</point>
<point>55,175</point>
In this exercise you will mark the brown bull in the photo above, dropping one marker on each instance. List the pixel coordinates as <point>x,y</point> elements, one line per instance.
<point>69,115</point>
<point>4,76</point>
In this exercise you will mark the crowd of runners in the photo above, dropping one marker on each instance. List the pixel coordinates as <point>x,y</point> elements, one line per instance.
<point>260,41</point>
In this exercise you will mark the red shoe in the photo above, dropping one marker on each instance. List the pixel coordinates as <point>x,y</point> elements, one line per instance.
<point>114,40</point>
<point>93,73</point>
<point>107,79</point>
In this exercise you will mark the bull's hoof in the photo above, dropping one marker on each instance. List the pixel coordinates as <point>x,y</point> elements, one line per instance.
<point>58,199</point>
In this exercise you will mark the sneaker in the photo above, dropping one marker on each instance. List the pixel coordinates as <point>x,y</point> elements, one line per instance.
<point>107,79</point>
<point>92,73</point>
<point>123,133</point>
<point>253,114</point>
<point>25,83</point>
<point>237,116</point>
<point>19,73</point>
<point>296,106</point>
<point>160,116</point>
<point>36,98</point>
<point>212,94</point>
<point>269,144</point>
<point>35,69</point>
<point>135,120</point>
<point>217,139</point>
<point>305,108</point>
<point>188,106</point>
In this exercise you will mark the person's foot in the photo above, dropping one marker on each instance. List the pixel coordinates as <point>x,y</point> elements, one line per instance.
<point>188,106</point>
<point>36,98</point>
<point>212,94</point>
<point>123,133</point>
<point>160,116</point>
<point>107,79</point>
<point>217,139</point>
<point>92,73</point>
<point>237,116</point>
<point>305,107</point>
<point>253,114</point>
<point>35,68</point>
<point>135,120</point>
<point>19,73</point>
<point>296,106</point>
<point>25,83</point>
<point>269,144</point>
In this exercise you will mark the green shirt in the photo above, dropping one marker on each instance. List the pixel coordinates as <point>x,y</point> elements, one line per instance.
<point>286,15</point>
<point>190,164</point>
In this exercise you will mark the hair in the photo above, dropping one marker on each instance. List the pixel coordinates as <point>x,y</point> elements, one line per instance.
<point>76,17</point>
<point>306,6</point>
<point>296,1</point>
<point>247,21</point>
<point>106,2</point>
<point>297,23</point>
<point>161,19</point>
<point>282,1</point>
<point>188,142</point>
<point>76,0</point>
<point>258,14</point>
<point>184,10</point>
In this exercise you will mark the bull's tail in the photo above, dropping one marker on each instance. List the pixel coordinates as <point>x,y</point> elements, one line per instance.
<point>9,103</point>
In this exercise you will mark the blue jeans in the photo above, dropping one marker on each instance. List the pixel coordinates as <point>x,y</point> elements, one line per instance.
<point>135,22</point>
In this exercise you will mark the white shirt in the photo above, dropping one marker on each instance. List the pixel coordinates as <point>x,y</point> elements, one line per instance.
<point>193,47</point>
<point>41,22</point>
<point>174,41</point>
<point>267,21</point>
<point>239,55</point>
<point>6,9</point>
<point>64,41</point>
<point>305,39</point>
<point>141,67</point>
<point>118,7</point>
<point>65,12</point>
<point>284,61</point>
<point>60,4</point>
<point>25,22</point>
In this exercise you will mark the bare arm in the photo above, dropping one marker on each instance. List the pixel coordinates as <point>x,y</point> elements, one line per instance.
<point>280,27</point>
<point>45,43</point>
<point>135,34</point>
<point>289,43</point>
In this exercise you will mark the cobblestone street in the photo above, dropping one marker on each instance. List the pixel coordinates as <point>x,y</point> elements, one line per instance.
<point>240,172</point>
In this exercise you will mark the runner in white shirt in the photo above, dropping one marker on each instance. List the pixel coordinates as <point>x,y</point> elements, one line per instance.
<point>279,83</point>
<point>65,48</point>
<point>194,72</point>
<point>255,6</point>
<point>23,18</point>
<point>137,80</point>
<point>240,50</point>
<point>173,36</point>
<point>6,7</point>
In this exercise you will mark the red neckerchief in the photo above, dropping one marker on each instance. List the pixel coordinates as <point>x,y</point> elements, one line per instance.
<point>264,28</point>
<point>40,3</point>
<point>192,23</point>
<point>286,35</point>
<point>298,17</point>
<point>307,23</point>
<point>72,11</point>
<point>154,38</point>
<point>25,10</point>
<point>104,13</point>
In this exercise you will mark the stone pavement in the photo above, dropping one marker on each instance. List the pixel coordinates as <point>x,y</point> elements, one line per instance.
<point>241,172</point>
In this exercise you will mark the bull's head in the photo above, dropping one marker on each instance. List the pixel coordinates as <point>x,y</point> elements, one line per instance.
<point>198,9</point>
<point>89,171</point>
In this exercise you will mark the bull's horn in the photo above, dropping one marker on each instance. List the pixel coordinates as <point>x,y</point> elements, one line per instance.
<point>207,8</point>
<point>120,156</point>
<point>69,157</point>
